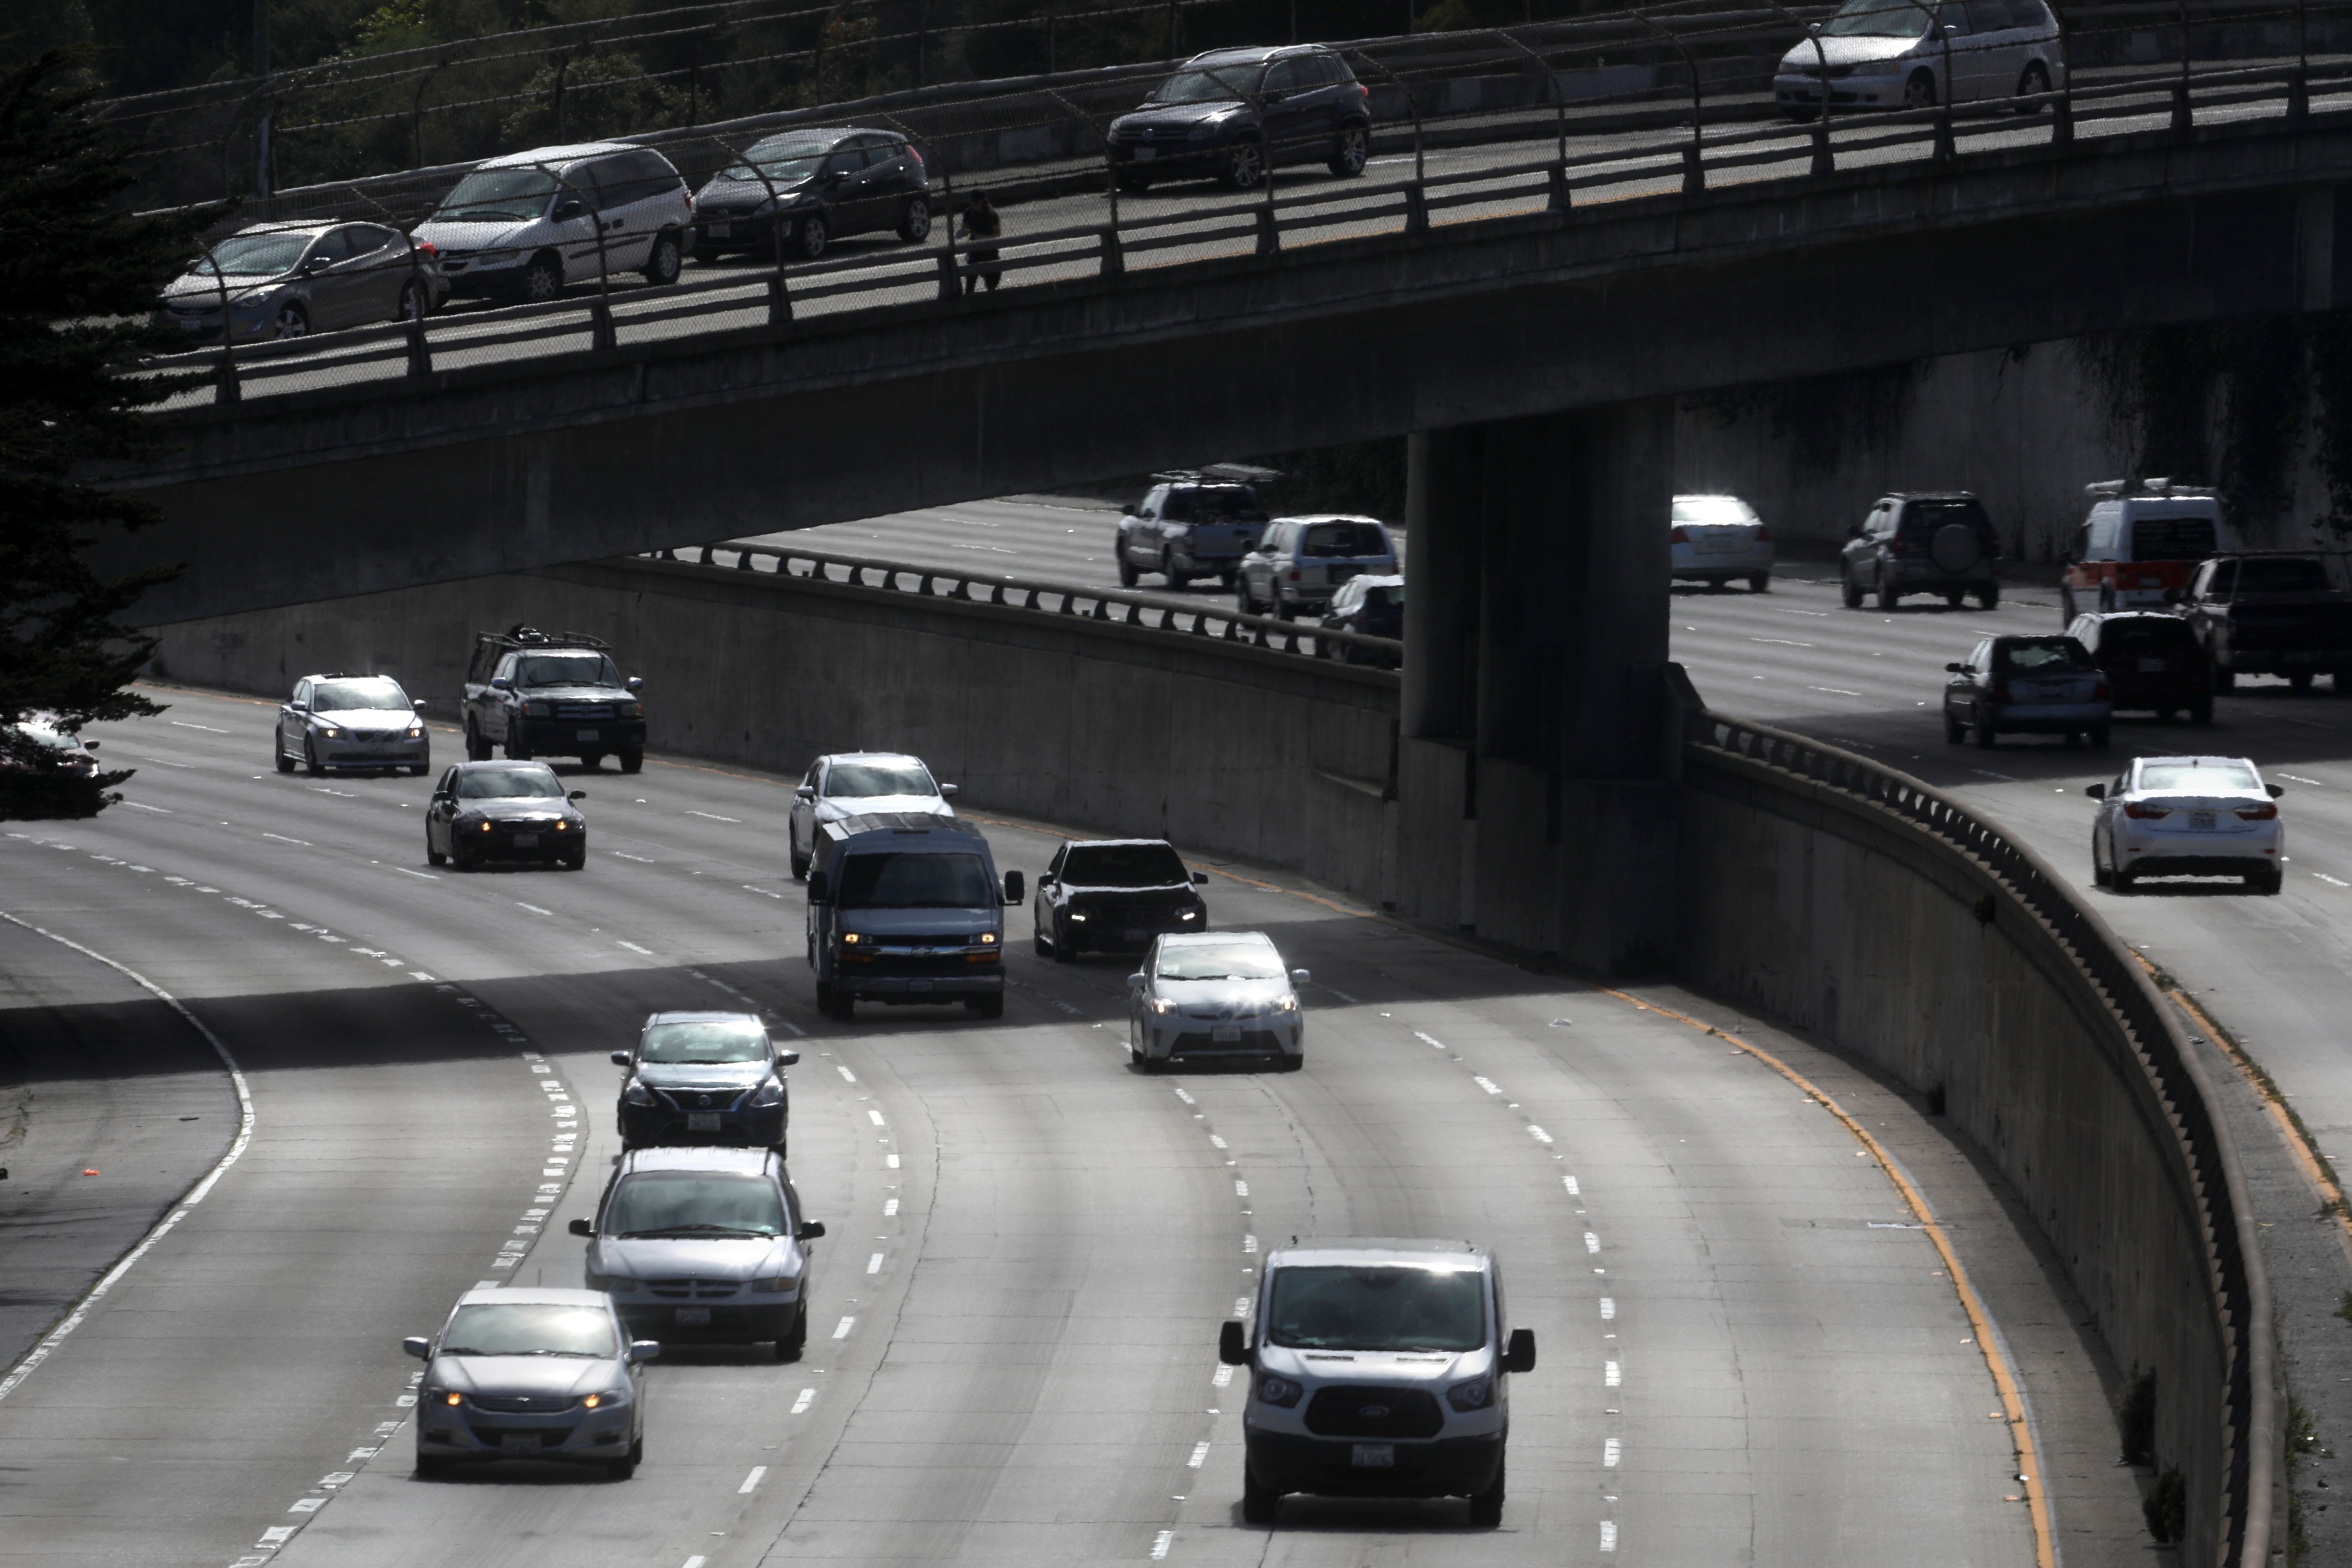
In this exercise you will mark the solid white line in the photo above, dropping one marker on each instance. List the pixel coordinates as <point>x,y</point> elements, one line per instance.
<point>633,947</point>
<point>751,1481</point>
<point>874,1264</point>
<point>638,859</point>
<point>715,817</point>
<point>196,1194</point>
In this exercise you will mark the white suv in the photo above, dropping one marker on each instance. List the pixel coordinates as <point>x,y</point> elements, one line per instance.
<point>524,226</point>
<point>1377,1369</point>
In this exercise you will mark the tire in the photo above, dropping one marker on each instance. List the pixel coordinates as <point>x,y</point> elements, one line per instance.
<point>2201,710</point>
<point>1177,581</point>
<point>1292,1062</point>
<point>622,1469</point>
<point>517,751</point>
<point>477,749</point>
<point>1486,1507</point>
<point>1350,153</point>
<point>2122,878</point>
<point>800,866</point>
<point>311,763</point>
<point>431,1468</point>
<point>633,761</point>
<point>814,236</point>
<point>2224,679</point>
<point>1127,576</point>
<point>665,261</point>
<point>1061,946</point>
<point>1919,92</point>
<point>285,762</point>
<point>542,280</point>
<point>1259,1502</point>
<point>2034,79</point>
<point>915,222</point>
<point>291,321</point>
<point>2065,606</point>
<point>985,1006</point>
<point>577,860</point>
<point>1227,579</point>
<point>1038,945</point>
<point>434,857</point>
<point>1986,736</point>
<point>590,761</point>
<point>411,306</point>
<point>1243,603</point>
<point>1760,584</point>
<point>824,999</point>
<point>2101,738</point>
<point>1955,598</point>
<point>1848,590</point>
<point>1244,167</point>
<point>1887,597</point>
<point>417,771</point>
<point>458,859</point>
<point>1988,596</point>
<point>1954,730</point>
<point>796,1338</point>
<point>2101,875</point>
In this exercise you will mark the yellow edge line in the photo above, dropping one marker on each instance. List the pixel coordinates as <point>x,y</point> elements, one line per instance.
<point>2013,1402</point>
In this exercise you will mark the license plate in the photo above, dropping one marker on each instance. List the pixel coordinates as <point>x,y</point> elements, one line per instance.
<point>2200,821</point>
<point>719,230</point>
<point>694,1317</point>
<point>1136,938</point>
<point>702,1121</point>
<point>526,841</point>
<point>919,986</point>
<point>588,735</point>
<point>1145,154</point>
<point>1715,543</point>
<point>2151,666</point>
<point>519,1443</point>
<point>1225,1032</point>
<point>1374,1457</point>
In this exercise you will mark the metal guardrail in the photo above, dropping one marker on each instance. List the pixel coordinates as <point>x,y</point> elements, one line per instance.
<point>1113,605</point>
<point>2240,1290</point>
<point>1278,214</point>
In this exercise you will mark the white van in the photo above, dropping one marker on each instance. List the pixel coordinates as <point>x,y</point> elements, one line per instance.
<point>1377,1369</point>
<point>1916,54</point>
<point>2140,544</point>
<point>525,226</point>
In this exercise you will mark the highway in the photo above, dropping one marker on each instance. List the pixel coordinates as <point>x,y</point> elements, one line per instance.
<point>1748,1351</point>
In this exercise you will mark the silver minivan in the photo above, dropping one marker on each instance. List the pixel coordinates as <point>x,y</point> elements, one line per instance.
<point>1300,562</point>
<point>1914,54</point>
<point>525,226</point>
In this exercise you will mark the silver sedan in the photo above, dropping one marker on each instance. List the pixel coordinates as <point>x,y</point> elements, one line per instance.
<point>287,281</point>
<point>532,1374</point>
<point>1215,995</point>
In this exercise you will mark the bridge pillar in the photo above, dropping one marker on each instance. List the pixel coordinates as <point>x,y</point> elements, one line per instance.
<point>1534,763</point>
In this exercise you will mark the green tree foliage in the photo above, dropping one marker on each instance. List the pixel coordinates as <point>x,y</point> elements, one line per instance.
<point>77,277</point>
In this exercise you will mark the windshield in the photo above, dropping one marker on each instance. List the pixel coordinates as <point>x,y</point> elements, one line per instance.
<point>1223,86</point>
<point>1234,504</point>
<point>1378,1307</point>
<point>2172,538</point>
<point>1220,961</point>
<point>45,736</point>
<point>2147,634</point>
<point>1343,539</point>
<point>1879,19</point>
<point>2040,655</point>
<point>2199,778</point>
<point>253,254</point>
<point>1712,508</point>
<point>1390,597</point>
<point>530,781</point>
<point>531,1329</point>
<point>1124,866</point>
<point>566,669</point>
<point>784,163</point>
<point>707,1041</point>
<point>695,1202</point>
<point>864,781</point>
<point>358,697</point>
<point>519,194</point>
<point>917,879</point>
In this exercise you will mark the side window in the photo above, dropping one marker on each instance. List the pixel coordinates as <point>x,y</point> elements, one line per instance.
<point>1955,16</point>
<point>335,244</point>
<point>2225,580</point>
<point>1986,15</point>
<point>301,691</point>
<point>1325,70</point>
<point>505,668</point>
<point>448,782</point>
<point>367,238</point>
<point>1054,869</point>
<point>843,160</point>
<point>1283,76</point>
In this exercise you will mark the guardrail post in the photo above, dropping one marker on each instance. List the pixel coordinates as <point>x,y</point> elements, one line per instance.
<point>420,356</point>
<point>1114,260</point>
<point>1416,210</point>
<point>1693,171</point>
<point>1556,193</point>
<point>780,302</point>
<point>948,277</point>
<point>2298,87</point>
<point>2182,119</point>
<point>1269,239</point>
<point>600,325</point>
<point>226,389</point>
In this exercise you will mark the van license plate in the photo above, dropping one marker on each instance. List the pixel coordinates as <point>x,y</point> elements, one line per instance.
<point>1375,1457</point>
<point>587,735</point>
<point>702,1121</point>
<point>2151,666</point>
<point>1225,1031</point>
<point>2201,822</point>
<point>694,1317</point>
<point>519,1443</point>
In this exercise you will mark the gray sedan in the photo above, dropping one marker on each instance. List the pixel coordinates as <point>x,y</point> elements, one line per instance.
<point>532,1374</point>
<point>287,281</point>
<point>1215,995</point>
<point>2028,685</point>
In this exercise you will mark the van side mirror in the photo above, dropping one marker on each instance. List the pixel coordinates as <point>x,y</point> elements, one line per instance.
<point>2096,791</point>
<point>1015,890</point>
<point>1300,976</point>
<point>820,887</point>
<point>634,683</point>
<point>788,1058</point>
<point>1199,879</point>
<point>2276,790</point>
<point>89,745</point>
<point>500,683</point>
<point>620,1058</point>
<point>1137,981</point>
<point>580,1228</point>
<point>810,1230</point>
<point>418,705</point>
<point>643,1350</point>
<point>1232,1345</point>
<point>567,209</point>
<point>418,1346</point>
<point>1519,1354</point>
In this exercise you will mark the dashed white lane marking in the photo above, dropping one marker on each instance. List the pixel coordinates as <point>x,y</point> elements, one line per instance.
<point>874,1264</point>
<point>751,1481</point>
<point>1989,774</point>
<point>889,1208</point>
<point>891,1161</point>
<point>640,859</point>
<point>1343,996</point>
<point>196,1194</point>
<point>283,839</point>
<point>1607,1535</point>
<point>1160,1546</point>
<point>1611,1375</point>
<point>314,1504</point>
<point>1200,1455</point>
<point>1592,1242</point>
<point>633,947</point>
<point>1240,1189</point>
<point>158,810</point>
<point>209,729</point>
<point>714,816</point>
<point>788,1024</point>
<point>1572,1188</point>
<point>420,974</point>
<point>1224,1377</point>
<point>874,1115</point>
<point>1249,1243</point>
<point>534,908</point>
<point>1834,690</point>
<point>807,1398</point>
<point>844,1072</point>
<point>1610,1454</point>
<point>767,892</point>
<point>1783,642</point>
<point>841,1329</point>
<point>2321,875</point>
<point>1608,1308</point>
<point>2290,778</point>
<point>697,1561</point>
<point>1488,1084</point>
<point>1186,1097</point>
<point>1217,1141</point>
<point>1538,1133</point>
<point>1426,1040</point>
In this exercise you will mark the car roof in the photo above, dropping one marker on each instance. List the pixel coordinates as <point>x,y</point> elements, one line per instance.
<point>1196,938</point>
<point>564,155</point>
<point>1117,842</point>
<point>2103,617</point>
<point>1929,495</point>
<point>1376,1249</point>
<point>471,767</point>
<point>1253,54</point>
<point>696,1157</point>
<point>536,1296</point>
<point>689,1015</point>
<point>315,225</point>
<point>902,822</point>
<point>1379,580</point>
<point>875,757</point>
<point>827,134</point>
<point>2199,762</point>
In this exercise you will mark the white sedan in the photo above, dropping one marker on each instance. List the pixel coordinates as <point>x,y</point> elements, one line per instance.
<point>859,784</point>
<point>1204,995</point>
<point>1719,540</point>
<point>2187,816</point>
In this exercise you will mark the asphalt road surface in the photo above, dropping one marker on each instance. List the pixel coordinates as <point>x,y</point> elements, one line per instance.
<point>1748,1351</point>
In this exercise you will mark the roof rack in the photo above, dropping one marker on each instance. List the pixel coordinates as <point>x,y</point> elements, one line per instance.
<point>520,635</point>
<point>1222,474</point>
<point>2156,486</point>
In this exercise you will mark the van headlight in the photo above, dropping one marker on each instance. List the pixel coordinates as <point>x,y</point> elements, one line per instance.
<point>776,1283</point>
<point>1281,1391</point>
<point>1475,1394</point>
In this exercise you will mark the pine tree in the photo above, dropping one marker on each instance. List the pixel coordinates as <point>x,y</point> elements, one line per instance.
<point>80,274</point>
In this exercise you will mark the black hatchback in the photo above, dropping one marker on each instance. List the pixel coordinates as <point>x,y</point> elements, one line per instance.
<point>806,188</point>
<point>1229,114</point>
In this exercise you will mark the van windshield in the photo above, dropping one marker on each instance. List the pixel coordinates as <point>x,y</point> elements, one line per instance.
<point>516,194</point>
<point>917,879</point>
<point>1378,1307</point>
<point>1880,20</point>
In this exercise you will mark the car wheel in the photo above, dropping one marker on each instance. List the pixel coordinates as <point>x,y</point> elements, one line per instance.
<point>311,763</point>
<point>1887,597</point>
<point>285,762</point>
<point>663,262</point>
<point>434,857</point>
<point>431,1468</point>
<point>517,751</point>
<point>1486,1507</point>
<point>2036,80</point>
<point>1127,576</point>
<point>633,761</point>
<point>1955,598</point>
<point>416,770</point>
<point>2102,875</point>
<point>1245,167</point>
<point>291,321</point>
<point>2121,877</point>
<point>1243,603</point>
<point>1061,945</point>
<point>2100,737</point>
<point>800,866</point>
<point>812,236</point>
<point>796,1338</point>
<point>1919,92</point>
<point>1350,153</point>
<point>477,749</point>
<point>577,860</point>
<point>460,859</point>
<point>1954,730</point>
<point>1762,583</point>
<point>542,280</point>
<point>2065,605</point>
<point>1988,596</point>
<point>411,306</point>
<point>1177,581</point>
<point>1292,1062</point>
<point>1038,945</point>
<point>985,1006</point>
<point>2224,679</point>
<point>915,223</point>
<point>1984,735</point>
<point>1259,1502</point>
<point>2107,598</point>
<point>2270,882</point>
<point>1848,590</point>
<point>622,1469</point>
<point>1228,579</point>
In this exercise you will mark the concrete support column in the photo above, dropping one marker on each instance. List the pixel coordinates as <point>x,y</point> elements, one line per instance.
<point>1549,825</point>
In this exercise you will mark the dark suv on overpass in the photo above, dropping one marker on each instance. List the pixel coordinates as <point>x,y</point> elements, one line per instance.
<point>543,694</point>
<point>1231,113</point>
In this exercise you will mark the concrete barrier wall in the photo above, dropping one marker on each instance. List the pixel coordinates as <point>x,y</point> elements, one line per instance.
<point>1217,746</point>
<point>1943,967</point>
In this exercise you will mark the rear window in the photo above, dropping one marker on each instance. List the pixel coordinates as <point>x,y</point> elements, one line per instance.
<point>1341,539</point>
<point>1236,503</point>
<point>1928,516</point>
<point>2201,777</point>
<point>1124,866</point>
<point>2172,538</point>
<point>1713,509</point>
<point>2039,654</point>
<point>2282,577</point>
<point>2152,635</point>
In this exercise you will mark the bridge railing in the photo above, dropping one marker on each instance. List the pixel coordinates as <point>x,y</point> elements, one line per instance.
<point>1039,597</point>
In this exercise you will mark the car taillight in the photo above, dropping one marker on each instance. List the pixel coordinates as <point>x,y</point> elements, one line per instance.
<point>1294,573</point>
<point>1998,692</point>
<point>427,247</point>
<point>2145,812</point>
<point>1763,535</point>
<point>1679,537</point>
<point>917,155</point>
<point>2257,813</point>
<point>2099,692</point>
<point>1363,92</point>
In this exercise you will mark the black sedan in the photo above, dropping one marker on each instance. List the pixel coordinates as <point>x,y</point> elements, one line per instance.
<point>1114,895</point>
<point>1369,606</point>
<point>504,811</point>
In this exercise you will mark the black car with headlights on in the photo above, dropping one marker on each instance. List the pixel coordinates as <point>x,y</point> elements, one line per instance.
<point>808,186</point>
<point>504,811</point>
<point>1232,113</point>
<point>1114,895</point>
<point>551,694</point>
<point>705,1078</point>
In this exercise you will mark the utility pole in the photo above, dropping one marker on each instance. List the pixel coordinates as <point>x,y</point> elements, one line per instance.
<point>261,159</point>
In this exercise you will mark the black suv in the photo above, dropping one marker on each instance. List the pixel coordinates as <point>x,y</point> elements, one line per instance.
<point>1931,543</point>
<point>1219,116</point>
<point>551,693</point>
<point>825,184</point>
<point>1114,895</point>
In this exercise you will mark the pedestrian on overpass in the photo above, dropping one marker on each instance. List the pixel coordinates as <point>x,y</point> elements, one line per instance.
<point>979,223</point>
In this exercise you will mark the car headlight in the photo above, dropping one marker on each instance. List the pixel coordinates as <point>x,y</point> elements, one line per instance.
<point>539,708</point>
<point>1475,1394</point>
<point>776,1285</point>
<point>987,939</point>
<point>1203,130</point>
<point>635,711</point>
<point>1288,1004</point>
<point>1079,917</point>
<point>770,1093</point>
<point>611,1282</point>
<point>1190,915</point>
<point>606,1400</point>
<point>1162,1004</point>
<point>252,304</point>
<point>444,1397</point>
<point>851,938</point>
<point>638,1093</point>
<point>331,732</point>
<point>565,827</point>
<point>1281,1391</point>
<point>416,733</point>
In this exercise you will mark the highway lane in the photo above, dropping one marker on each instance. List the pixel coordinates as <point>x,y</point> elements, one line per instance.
<point>1030,1244</point>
